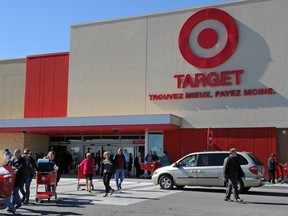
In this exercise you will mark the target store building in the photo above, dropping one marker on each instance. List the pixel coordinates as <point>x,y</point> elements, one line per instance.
<point>205,78</point>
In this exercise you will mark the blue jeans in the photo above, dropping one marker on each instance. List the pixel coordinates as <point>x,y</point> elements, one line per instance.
<point>26,192</point>
<point>119,177</point>
<point>15,198</point>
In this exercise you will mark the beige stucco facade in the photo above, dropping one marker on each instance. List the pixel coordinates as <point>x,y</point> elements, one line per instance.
<point>115,66</point>
<point>12,88</point>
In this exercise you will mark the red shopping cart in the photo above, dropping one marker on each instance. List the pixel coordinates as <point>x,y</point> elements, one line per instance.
<point>150,166</point>
<point>7,179</point>
<point>49,180</point>
<point>283,172</point>
<point>82,176</point>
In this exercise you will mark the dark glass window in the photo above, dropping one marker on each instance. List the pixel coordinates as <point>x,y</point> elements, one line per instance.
<point>110,137</point>
<point>73,138</point>
<point>241,160</point>
<point>91,137</point>
<point>255,159</point>
<point>56,139</point>
<point>130,137</point>
<point>210,160</point>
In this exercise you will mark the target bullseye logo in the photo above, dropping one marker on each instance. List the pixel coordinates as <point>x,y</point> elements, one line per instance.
<point>208,38</point>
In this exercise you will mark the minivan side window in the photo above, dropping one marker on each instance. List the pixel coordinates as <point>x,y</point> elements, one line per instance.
<point>210,160</point>
<point>255,159</point>
<point>241,160</point>
<point>189,161</point>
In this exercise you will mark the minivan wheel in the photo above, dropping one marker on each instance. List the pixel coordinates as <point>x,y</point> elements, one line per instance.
<point>166,182</point>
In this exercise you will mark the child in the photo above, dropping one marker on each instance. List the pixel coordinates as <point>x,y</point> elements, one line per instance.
<point>107,171</point>
<point>88,170</point>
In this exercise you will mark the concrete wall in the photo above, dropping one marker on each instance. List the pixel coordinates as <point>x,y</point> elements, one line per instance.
<point>107,69</point>
<point>115,66</point>
<point>12,88</point>
<point>34,142</point>
<point>12,141</point>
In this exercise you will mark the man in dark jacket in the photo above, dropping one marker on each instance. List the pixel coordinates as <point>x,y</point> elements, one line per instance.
<point>120,166</point>
<point>272,168</point>
<point>19,163</point>
<point>232,172</point>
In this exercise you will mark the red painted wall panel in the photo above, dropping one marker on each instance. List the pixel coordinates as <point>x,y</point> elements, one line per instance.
<point>260,141</point>
<point>46,91</point>
<point>246,140</point>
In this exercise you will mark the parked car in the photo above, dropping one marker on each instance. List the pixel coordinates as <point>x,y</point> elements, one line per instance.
<point>206,169</point>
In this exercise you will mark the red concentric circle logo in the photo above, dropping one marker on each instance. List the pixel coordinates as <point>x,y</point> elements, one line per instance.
<point>208,38</point>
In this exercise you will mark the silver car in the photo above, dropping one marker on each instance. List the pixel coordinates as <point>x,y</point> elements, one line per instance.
<point>206,169</point>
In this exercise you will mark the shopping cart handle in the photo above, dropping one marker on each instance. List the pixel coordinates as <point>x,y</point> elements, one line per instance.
<point>9,172</point>
<point>45,172</point>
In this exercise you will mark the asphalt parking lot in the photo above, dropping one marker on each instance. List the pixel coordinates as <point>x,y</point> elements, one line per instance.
<point>141,197</point>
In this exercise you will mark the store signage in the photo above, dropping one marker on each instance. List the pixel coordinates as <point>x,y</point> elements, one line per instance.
<point>64,142</point>
<point>208,39</point>
<point>212,79</point>
<point>138,142</point>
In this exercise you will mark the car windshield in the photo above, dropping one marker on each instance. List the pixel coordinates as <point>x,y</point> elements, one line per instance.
<point>255,159</point>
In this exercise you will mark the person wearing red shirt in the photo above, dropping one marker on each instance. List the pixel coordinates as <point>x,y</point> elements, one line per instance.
<point>88,170</point>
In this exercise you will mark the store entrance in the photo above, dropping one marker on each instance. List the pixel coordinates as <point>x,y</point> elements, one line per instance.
<point>100,149</point>
<point>113,149</point>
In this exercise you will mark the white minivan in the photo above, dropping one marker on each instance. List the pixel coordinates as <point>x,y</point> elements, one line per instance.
<point>206,169</point>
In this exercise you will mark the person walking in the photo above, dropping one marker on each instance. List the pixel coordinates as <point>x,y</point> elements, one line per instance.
<point>56,167</point>
<point>29,172</point>
<point>137,163</point>
<point>127,160</point>
<point>165,159</point>
<point>107,169</point>
<point>120,166</point>
<point>19,163</point>
<point>88,170</point>
<point>8,154</point>
<point>97,163</point>
<point>67,161</point>
<point>272,168</point>
<point>232,172</point>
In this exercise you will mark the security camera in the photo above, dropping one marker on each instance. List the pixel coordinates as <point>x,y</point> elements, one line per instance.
<point>24,132</point>
<point>115,130</point>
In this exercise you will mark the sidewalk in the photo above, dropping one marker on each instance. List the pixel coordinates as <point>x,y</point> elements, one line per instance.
<point>277,185</point>
<point>134,190</point>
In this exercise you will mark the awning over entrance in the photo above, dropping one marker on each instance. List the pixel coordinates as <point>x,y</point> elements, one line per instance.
<point>92,125</point>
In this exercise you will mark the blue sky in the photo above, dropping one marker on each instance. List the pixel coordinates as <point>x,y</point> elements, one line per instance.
<point>34,27</point>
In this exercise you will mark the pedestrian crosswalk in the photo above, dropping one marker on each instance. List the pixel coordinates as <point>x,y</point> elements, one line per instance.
<point>132,192</point>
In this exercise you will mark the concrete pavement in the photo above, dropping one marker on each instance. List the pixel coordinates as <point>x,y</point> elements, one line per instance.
<point>134,190</point>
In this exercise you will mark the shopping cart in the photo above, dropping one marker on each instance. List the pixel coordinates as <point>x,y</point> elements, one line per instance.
<point>82,176</point>
<point>49,180</point>
<point>46,176</point>
<point>7,179</point>
<point>283,172</point>
<point>150,166</point>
